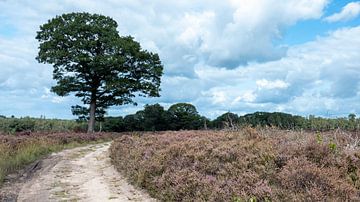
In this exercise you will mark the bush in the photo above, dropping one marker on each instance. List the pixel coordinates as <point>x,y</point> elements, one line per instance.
<point>307,181</point>
<point>251,164</point>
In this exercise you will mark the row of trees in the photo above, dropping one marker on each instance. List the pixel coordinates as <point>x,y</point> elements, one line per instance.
<point>184,116</point>
<point>180,116</point>
<point>12,125</point>
<point>286,121</point>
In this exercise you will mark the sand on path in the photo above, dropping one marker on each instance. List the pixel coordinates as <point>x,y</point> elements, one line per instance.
<point>80,174</point>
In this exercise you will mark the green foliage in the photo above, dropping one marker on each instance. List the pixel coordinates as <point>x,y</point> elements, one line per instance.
<point>288,121</point>
<point>155,118</point>
<point>133,122</point>
<point>83,113</point>
<point>226,120</point>
<point>352,117</point>
<point>184,116</point>
<point>94,62</point>
<point>13,125</point>
<point>253,199</point>
<point>332,146</point>
<point>319,138</point>
<point>237,199</point>
<point>276,119</point>
<point>114,124</point>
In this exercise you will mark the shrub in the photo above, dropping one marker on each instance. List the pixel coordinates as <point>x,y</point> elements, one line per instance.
<point>247,165</point>
<point>305,180</point>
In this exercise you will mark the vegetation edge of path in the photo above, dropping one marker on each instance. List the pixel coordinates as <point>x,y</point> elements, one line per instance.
<point>16,154</point>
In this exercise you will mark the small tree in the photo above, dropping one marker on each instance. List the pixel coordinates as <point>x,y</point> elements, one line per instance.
<point>227,120</point>
<point>155,118</point>
<point>92,61</point>
<point>185,116</point>
<point>352,117</point>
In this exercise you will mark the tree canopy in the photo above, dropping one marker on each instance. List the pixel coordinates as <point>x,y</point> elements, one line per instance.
<point>156,118</point>
<point>94,62</point>
<point>184,116</point>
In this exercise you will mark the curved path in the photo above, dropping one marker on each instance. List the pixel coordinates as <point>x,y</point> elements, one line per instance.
<point>80,174</point>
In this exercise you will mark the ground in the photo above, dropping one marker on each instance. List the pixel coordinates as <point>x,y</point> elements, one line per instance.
<point>80,174</point>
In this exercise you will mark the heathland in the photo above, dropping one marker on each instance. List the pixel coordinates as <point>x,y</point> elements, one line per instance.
<point>184,155</point>
<point>245,165</point>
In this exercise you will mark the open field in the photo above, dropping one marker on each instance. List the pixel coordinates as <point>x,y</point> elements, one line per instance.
<point>219,101</point>
<point>247,165</point>
<point>252,164</point>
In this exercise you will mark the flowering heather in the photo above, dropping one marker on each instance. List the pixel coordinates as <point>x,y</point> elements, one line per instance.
<point>251,164</point>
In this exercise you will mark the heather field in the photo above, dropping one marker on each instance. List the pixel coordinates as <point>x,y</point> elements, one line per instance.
<point>246,165</point>
<point>21,149</point>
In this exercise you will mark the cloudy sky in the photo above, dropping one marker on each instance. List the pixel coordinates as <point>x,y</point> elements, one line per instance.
<point>295,56</point>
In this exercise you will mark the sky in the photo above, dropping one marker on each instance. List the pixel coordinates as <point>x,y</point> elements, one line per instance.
<point>293,56</point>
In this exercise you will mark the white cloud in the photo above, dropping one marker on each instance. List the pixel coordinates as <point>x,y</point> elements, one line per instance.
<point>265,84</point>
<point>224,33</point>
<point>219,97</point>
<point>349,12</point>
<point>319,77</point>
<point>248,35</point>
<point>218,55</point>
<point>58,99</point>
<point>248,96</point>
<point>195,28</point>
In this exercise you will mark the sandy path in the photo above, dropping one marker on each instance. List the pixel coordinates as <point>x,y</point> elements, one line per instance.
<point>81,174</point>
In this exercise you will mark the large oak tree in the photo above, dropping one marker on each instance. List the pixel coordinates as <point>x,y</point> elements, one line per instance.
<point>92,61</point>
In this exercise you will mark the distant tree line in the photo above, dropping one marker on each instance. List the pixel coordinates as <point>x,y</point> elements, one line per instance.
<point>12,125</point>
<point>286,121</point>
<point>181,116</point>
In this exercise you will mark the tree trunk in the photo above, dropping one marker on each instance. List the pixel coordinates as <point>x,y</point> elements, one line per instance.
<point>92,117</point>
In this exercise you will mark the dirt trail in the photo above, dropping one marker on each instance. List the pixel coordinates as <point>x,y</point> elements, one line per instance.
<point>81,174</point>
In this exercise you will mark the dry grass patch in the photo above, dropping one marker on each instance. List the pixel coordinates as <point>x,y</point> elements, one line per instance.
<point>19,150</point>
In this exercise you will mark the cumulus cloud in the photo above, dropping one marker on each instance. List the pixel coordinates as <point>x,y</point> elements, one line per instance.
<point>253,27</point>
<point>218,55</point>
<point>318,77</point>
<point>349,12</point>
<point>220,33</point>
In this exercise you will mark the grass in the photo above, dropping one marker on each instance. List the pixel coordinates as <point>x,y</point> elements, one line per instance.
<point>17,151</point>
<point>246,165</point>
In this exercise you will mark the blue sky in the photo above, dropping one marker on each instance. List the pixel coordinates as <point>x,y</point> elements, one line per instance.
<point>294,56</point>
